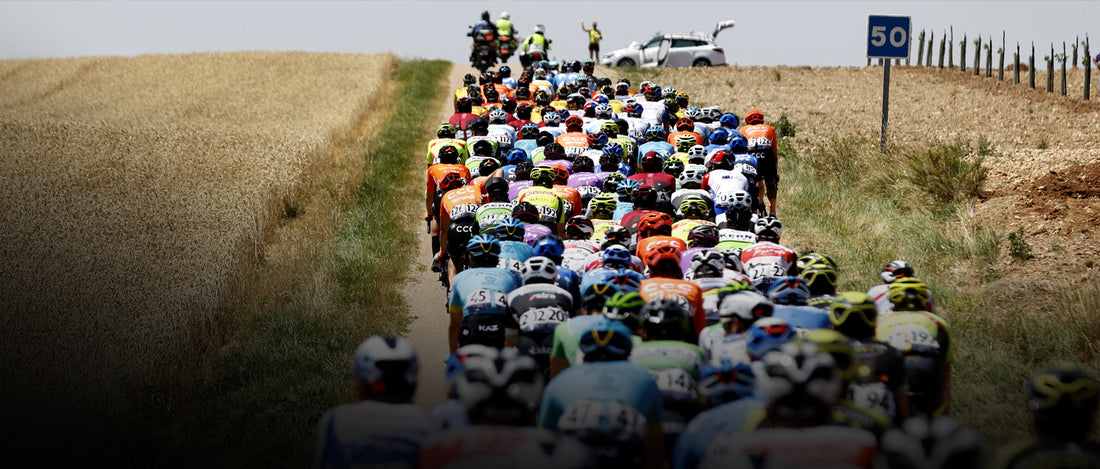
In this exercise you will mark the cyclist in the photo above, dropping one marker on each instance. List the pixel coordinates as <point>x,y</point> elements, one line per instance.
<point>655,136</point>
<point>496,208</point>
<point>514,251</point>
<point>762,144</point>
<point>893,271</point>
<point>383,427</point>
<point>551,206</point>
<point>538,307</point>
<point>607,402</point>
<point>791,297</point>
<point>457,223</point>
<point>477,302</point>
<point>662,257</point>
<point>696,213</point>
<point>445,135</point>
<point>924,339</point>
<point>821,279</point>
<point>728,340</point>
<point>767,260</point>
<point>879,383</point>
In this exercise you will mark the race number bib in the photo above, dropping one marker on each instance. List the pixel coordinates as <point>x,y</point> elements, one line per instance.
<point>541,319</point>
<point>510,263</point>
<point>548,213</point>
<point>762,271</point>
<point>484,299</point>
<point>463,209</point>
<point>874,396</point>
<point>612,417</point>
<point>589,191</point>
<point>574,151</point>
<point>673,381</point>
<point>913,337</point>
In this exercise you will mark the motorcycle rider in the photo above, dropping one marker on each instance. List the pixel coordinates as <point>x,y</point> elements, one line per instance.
<point>505,28</point>
<point>534,43</point>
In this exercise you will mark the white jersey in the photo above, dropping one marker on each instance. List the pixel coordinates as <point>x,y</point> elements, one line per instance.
<point>732,347</point>
<point>576,254</point>
<point>503,134</point>
<point>727,180</point>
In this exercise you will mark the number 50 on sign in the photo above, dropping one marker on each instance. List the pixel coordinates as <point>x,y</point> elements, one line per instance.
<point>887,37</point>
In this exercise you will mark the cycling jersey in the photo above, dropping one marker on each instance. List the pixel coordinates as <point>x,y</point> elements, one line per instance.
<point>916,333</point>
<point>654,288</point>
<point>587,184</point>
<point>437,143</point>
<point>574,142</point>
<point>599,229</point>
<point>534,232</point>
<point>528,145</point>
<point>732,348</point>
<point>503,135</point>
<point>482,290</point>
<point>689,356</point>
<point>485,446</point>
<point>566,342</point>
<point>710,287</point>
<point>766,261</point>
<point>880,374</point>
<point>576,251</point>
<point>513,254</point>
<point>573,198</point>
<point>803,317</point>
<point>682,228</point>
<point>436,174</point>
<point>663,149</point>
<point>730,239</point>
<point>460,201</point>
<point>490,213</point>
<point>368,433</point>
<point>515,187</point>
<point>450,413</point>
<point>733,418</point>
<point>550,204</point>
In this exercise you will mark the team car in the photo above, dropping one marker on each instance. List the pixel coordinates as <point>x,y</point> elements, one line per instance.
<point>695,49</point>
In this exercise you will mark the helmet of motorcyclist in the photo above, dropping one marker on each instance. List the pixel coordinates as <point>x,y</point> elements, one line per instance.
<point>510,229</point>
<point>789,291</point>
<point>448,154</point>
<point>694,208</point>
<point>526,212</point>
<point>673,167</point>
<point>543,176</point>
<point>909,294</point>
<point>606,340</point>
<point>653,224</point>
<point>768,229</point>
<point>746,305</point>
<point>539,269</point>
<point>579,227</point>
<point>502,387</point>
<point>854,314</point>
<point>754,117</point>
<point>799,382</point>
<point>483,250</point>
<point>707,263</point>
<point>729,120</point>
<point>703,236</point>
<point>1063,399</point>
<point>625,307</point>
<point>692,176</point>
<point>387,367</point>
<point>602,205</point>
<point>540,29</point>
<point>895,270</point>
<point>767,333</point>
<point>820,278</point>
<point>616,257</point>
<point>651,162</point>
<point>667,318</point>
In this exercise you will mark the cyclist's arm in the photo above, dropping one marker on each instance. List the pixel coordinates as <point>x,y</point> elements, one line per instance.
<point>444,227</point>
<point>456,321</point>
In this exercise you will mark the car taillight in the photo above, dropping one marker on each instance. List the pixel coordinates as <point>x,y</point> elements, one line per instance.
<point>719,50</point>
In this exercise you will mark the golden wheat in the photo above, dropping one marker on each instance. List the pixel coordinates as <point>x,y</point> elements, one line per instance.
<point>132,189</point>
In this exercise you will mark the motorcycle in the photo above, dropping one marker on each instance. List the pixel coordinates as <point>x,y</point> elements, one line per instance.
<point>484,54</point>
<point>506,49</point>
<point>535,54</point>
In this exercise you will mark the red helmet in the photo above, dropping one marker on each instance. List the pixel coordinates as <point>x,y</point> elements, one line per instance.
<point>660,251</point>
<point>754,117</point>
<point>685,124</point>
<point>574,121</point>
<point>654,223</point>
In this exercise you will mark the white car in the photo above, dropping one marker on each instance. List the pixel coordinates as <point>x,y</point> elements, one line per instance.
<point>696,49</point>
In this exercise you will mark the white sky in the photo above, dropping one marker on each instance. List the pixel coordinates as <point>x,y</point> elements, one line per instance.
<point>768,32</point>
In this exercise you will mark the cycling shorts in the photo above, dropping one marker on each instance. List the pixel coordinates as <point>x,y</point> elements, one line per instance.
<point>459,233</point>
<point>482,329</point>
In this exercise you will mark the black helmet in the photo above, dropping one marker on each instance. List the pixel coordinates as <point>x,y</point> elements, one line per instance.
<point>496,185</point>
<point>667,318</point>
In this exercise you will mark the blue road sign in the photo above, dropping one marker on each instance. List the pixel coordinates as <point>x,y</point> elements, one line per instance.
<point>888,37</point>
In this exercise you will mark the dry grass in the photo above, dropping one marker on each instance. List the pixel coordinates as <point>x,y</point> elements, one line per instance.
<point>135,192</point>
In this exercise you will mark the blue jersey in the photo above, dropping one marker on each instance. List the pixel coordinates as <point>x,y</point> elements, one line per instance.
<point>804,317</point>
<point>368,433</point>
<point>662,148</point>
<point>450,413</point>
<point>528,145</point>
<point>621,209</point>
<point>732,418</point>
<point>746,158</point>
<point>513,254</point>
<point>580,395</point>
<point>482,290</point>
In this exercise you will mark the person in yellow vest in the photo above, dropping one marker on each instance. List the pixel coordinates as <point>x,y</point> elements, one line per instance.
<point>506,28</point>
<point>536,47</point>
<point>594,37</point>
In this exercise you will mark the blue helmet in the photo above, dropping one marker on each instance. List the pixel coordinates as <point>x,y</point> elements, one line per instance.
<point>597,140</point>
<point>626,280</point>
<point>516,156</point>
<point>483,246</point>
<point>550,246</point>
<point>529,131</point>
<point>627,188</point>
<point>614,149</point>
<point>719,136</point>
<point>601,99</point>
<point>606,340</point>
<point>510,229</point>
<point>655,133</point>
<point>767,333</point>
<point>593,295</point>
<point>616,257</point>
<point>738,144</point>
<point>729,120</point>
<point>725,382</point>
<point>789,291</point>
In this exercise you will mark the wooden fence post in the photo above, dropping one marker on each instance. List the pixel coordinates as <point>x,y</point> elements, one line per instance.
<point>1001,68</point>
<point>920,47</point>
<point>1016,66</point>
<point>942,49</point>
<point>1031,68</point>
<point>931,40</point>
<point>1076,39</point>
<point>1050,70</point>
<point>951,49</point>
<point>977,55</point>
<point>962,54</point>
<point>989,58</point>
<point>1088,68</point>
<point>1064,57</point>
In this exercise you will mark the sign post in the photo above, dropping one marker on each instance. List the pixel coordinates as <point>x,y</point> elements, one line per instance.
<point>887,38</point>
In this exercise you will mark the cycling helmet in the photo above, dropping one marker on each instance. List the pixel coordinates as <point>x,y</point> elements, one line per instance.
<point>685,124</point>
<point>727,198</point>
<point>684,142</point>
<point>498,116</point>
<point>523,110</point>
<point>673,167</point>
<point>455,360</point>
<point>746,305</point>
<point>733,261</point>
<point>622,89</point>
<point>738,144</point>
<point>551,118</point>
<point>523,90</point>
<point>603,111</point>
<point>626,280</point>
<point>645,196</point>
<point>694,208</point>
<point>505,71</point>
<point>590,109</point>
<point>838,345</point>
<point>544,138</point>
<point>633,109</point>
<point>819,278</point>
<point>708,263</point>
<point>523,171</point>
<point>692,174</point>
<point>525,212</point>
<point>539,269</point>
<point>651,162</point>
<point>655,134</point>
<point>895,270</point>
<point>854,314</point>
<point>479,125</point>
<point>445,130</point>
<point>561,174</point>
<point>768,229</point>
<point>703,236</point>
<point>491,94</point>
<point>597,140</point>
<point>574,123</point>
<point>663,257</point>
<point>668,92</point>
<point>452,180</point>
<point>616,257</point>
<point>469,79</point>
<point>615,149</point>
<point>487,166</point>
<point>1063,398</point>
<point>789,291</point>
<point>754,117</point>
<point>543,175</point>
<point>448,154</point>
<point>697,155</point>
<point>729,121</point>
<point>719,136</point>
<point>805,260</point>
<point>720,159</point>
<point>626,189</point>
<point>579,227</point>
<point>387,367</point>
<point>502,387</point>
<point>652,93</point>
<point>516,156</point>
<point>682,99</point>
<point>601,99</point>
<point>553,151</point>
<point>909,294</point>
<point>510,229</point>
<point>612,181</point>
<point>667,318</point>
<point>497,185</point>
<point>485,78</point>
<point>602,205</point>
<point>549,246</point>
<point>654,223</point>
<point>583,164</point>
<point>609,128</point>
<point>725,382</point>
<point>543,98</point>
<point>712,113</point>
<point>767,333</point>
<point>691,113</point>
<point>800,383</point>
<point>617,234</point>
<point>627,308</point>
<point>606,340</point>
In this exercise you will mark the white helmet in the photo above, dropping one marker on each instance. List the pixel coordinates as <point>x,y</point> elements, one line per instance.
<point>798,380</point>
<point>391,360</point>
<point>697,151</point>
<point>504,15</point>
<point>747,305</point>
<point>540,28</point>
<point>539,269</point>
<point>500,386</point>
<point>692,173</point>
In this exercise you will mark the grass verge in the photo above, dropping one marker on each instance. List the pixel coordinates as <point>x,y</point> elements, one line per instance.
<point>260,400</point>
<point>866,207</point>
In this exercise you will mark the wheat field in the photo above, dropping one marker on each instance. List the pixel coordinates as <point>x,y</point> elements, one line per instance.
<point>133,190</point>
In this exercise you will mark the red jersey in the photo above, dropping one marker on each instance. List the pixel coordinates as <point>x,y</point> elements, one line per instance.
<point>658,287</point>
<point>437,172</point>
